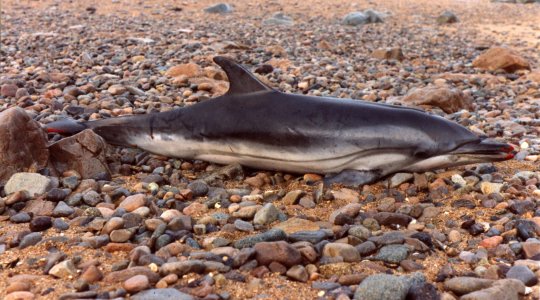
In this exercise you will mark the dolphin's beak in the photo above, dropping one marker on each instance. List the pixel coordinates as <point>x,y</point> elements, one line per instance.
<point>488,150</point>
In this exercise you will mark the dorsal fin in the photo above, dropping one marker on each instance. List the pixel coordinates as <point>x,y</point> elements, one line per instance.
<point>241,81</point>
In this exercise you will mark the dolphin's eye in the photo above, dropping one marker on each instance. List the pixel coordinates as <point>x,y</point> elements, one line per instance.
<point>421,154</point>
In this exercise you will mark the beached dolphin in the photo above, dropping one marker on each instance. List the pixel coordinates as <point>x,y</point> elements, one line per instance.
<point>353,142</point>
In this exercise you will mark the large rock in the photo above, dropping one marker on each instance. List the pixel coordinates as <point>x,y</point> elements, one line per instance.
<point>84,153</point>
<point>448,99</point>
<point>501,58</point>
<point>23,143</point>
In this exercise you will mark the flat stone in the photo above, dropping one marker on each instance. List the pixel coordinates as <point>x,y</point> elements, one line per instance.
<point>293,225</point>
<point>268,236</point>
<point>308,236</point>
<point>181,268</point>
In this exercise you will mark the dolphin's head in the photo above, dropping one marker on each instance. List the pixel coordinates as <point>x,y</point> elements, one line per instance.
<point>478,151</point>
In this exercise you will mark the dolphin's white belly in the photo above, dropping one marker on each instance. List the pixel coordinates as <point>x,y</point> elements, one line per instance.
<point>318,160</point>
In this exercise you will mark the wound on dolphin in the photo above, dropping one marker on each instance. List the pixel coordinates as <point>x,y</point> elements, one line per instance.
<point>352,142</point>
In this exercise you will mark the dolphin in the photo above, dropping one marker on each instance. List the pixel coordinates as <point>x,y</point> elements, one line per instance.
<point>352,142</point>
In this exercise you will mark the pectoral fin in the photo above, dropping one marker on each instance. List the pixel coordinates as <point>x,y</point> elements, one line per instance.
<point>352,178</point>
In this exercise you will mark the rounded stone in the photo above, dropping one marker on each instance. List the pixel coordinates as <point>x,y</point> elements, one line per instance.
<point>136,283</point>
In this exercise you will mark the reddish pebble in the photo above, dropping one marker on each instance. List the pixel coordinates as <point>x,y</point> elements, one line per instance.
<point>491,242</point>
<point>136,283</point>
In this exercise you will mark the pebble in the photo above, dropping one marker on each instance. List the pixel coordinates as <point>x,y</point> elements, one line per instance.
<point>220,8</point>
<point>198,187</point>
<point>393,253</point>
<point>266,215</point>
<point>268,236</point>
<point>312,237</point>
<point>22,217</point>
<point>298,273</point>
<point>447,17</point>
<point>523,274</point>
<point>281,252</point>
<point>279,19</point>
<point>382,287</point>
<point>62,210</point>
<point>30,239</point>
<point>40,223</point>
<point>346,251</point>
<point>136,283</point>
<point>162,294</point>
<point>465,285</point>
<point>20,295</point>
<point>65,269</point>
<point>133,202</point>
<point>243,226</point>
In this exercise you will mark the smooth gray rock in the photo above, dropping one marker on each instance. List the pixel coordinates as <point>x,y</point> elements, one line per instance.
<point>162,294</point>
<point>30,240</point>
<point>523,274</point>
<point>382,287</point>
<point>220,8</point>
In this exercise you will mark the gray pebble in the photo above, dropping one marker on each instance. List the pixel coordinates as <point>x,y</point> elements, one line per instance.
<point>30,240</point>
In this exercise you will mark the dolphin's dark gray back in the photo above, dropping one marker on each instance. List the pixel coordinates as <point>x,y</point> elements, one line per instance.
<point>258,126</point>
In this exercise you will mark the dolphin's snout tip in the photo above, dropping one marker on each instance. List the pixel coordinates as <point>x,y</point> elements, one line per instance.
<point>510,151</point>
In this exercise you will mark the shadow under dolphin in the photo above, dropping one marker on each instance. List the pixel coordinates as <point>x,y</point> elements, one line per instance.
<point>353,142</point>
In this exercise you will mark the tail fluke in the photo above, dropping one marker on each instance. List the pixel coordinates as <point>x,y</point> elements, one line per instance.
<point>65,127</point>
